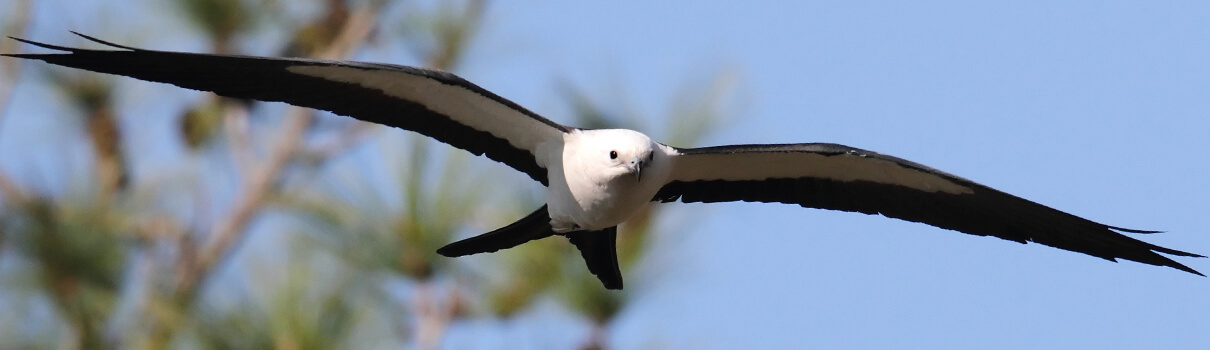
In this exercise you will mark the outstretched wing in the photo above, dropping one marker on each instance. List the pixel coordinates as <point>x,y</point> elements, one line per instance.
<point>434,103</point>
<point>836,177</point>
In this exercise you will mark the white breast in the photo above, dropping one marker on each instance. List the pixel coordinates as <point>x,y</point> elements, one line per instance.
<point>585,194</point>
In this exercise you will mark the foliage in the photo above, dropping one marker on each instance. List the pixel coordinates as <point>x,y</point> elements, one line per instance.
<point>327,238</point>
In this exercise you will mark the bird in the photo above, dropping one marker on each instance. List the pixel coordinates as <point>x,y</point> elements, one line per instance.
<point>597,179</point>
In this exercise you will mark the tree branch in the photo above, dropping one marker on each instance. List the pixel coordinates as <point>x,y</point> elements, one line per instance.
<point>11,69</point>
<point>261,180</point>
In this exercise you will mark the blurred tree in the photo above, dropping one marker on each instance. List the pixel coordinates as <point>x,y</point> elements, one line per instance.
<point>15,22</point>
<point>371,233</point>
<point>222,21</point>
<point>93,96</point>
<point>353,262</point>
<point>80,261</point>
<point>259,177</point>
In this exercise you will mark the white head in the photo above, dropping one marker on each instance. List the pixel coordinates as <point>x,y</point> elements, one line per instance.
<point>607,176</point>
<point>616,153</point>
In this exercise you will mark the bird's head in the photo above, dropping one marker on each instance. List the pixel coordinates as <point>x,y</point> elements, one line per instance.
<point>620,153</point>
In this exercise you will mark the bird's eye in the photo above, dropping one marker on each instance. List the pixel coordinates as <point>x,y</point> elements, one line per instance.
<point>613,154</point>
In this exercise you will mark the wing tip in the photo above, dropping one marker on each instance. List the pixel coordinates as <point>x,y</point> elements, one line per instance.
<point>1159,249</point>
<point>1182,267</point>
<point>1130,230</point>
<point>103,42</point>
<point>1153,257</point>
<point>1176,252</point>
<point>65,48</point>
<point>38,44</point>
<point>1156,248</point>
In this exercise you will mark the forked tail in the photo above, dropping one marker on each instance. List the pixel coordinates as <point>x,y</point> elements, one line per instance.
<point>533,226</point>
<point>599,248</point>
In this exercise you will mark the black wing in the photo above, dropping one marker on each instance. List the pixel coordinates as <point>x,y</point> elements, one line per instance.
<point>836,177</point>
<point>434,103</point>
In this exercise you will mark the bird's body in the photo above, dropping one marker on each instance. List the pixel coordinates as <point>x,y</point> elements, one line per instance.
<point>598,179</point>
<point>590,190</point>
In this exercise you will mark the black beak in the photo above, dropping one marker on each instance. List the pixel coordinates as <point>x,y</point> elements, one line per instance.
<point>638,169</point>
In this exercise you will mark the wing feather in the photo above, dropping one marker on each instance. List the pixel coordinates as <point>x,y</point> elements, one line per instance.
<point>437,104</point>
<point>837,177</point>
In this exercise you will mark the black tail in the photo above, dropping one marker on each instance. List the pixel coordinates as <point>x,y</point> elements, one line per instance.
<point>599,248</point>
<point>600,252</point>
<point>533,226</point>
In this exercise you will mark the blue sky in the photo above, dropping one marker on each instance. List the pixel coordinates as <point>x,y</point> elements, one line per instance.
<point>1100,109</point>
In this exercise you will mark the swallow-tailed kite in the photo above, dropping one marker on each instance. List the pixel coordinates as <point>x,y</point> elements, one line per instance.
<point>597,179</point>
